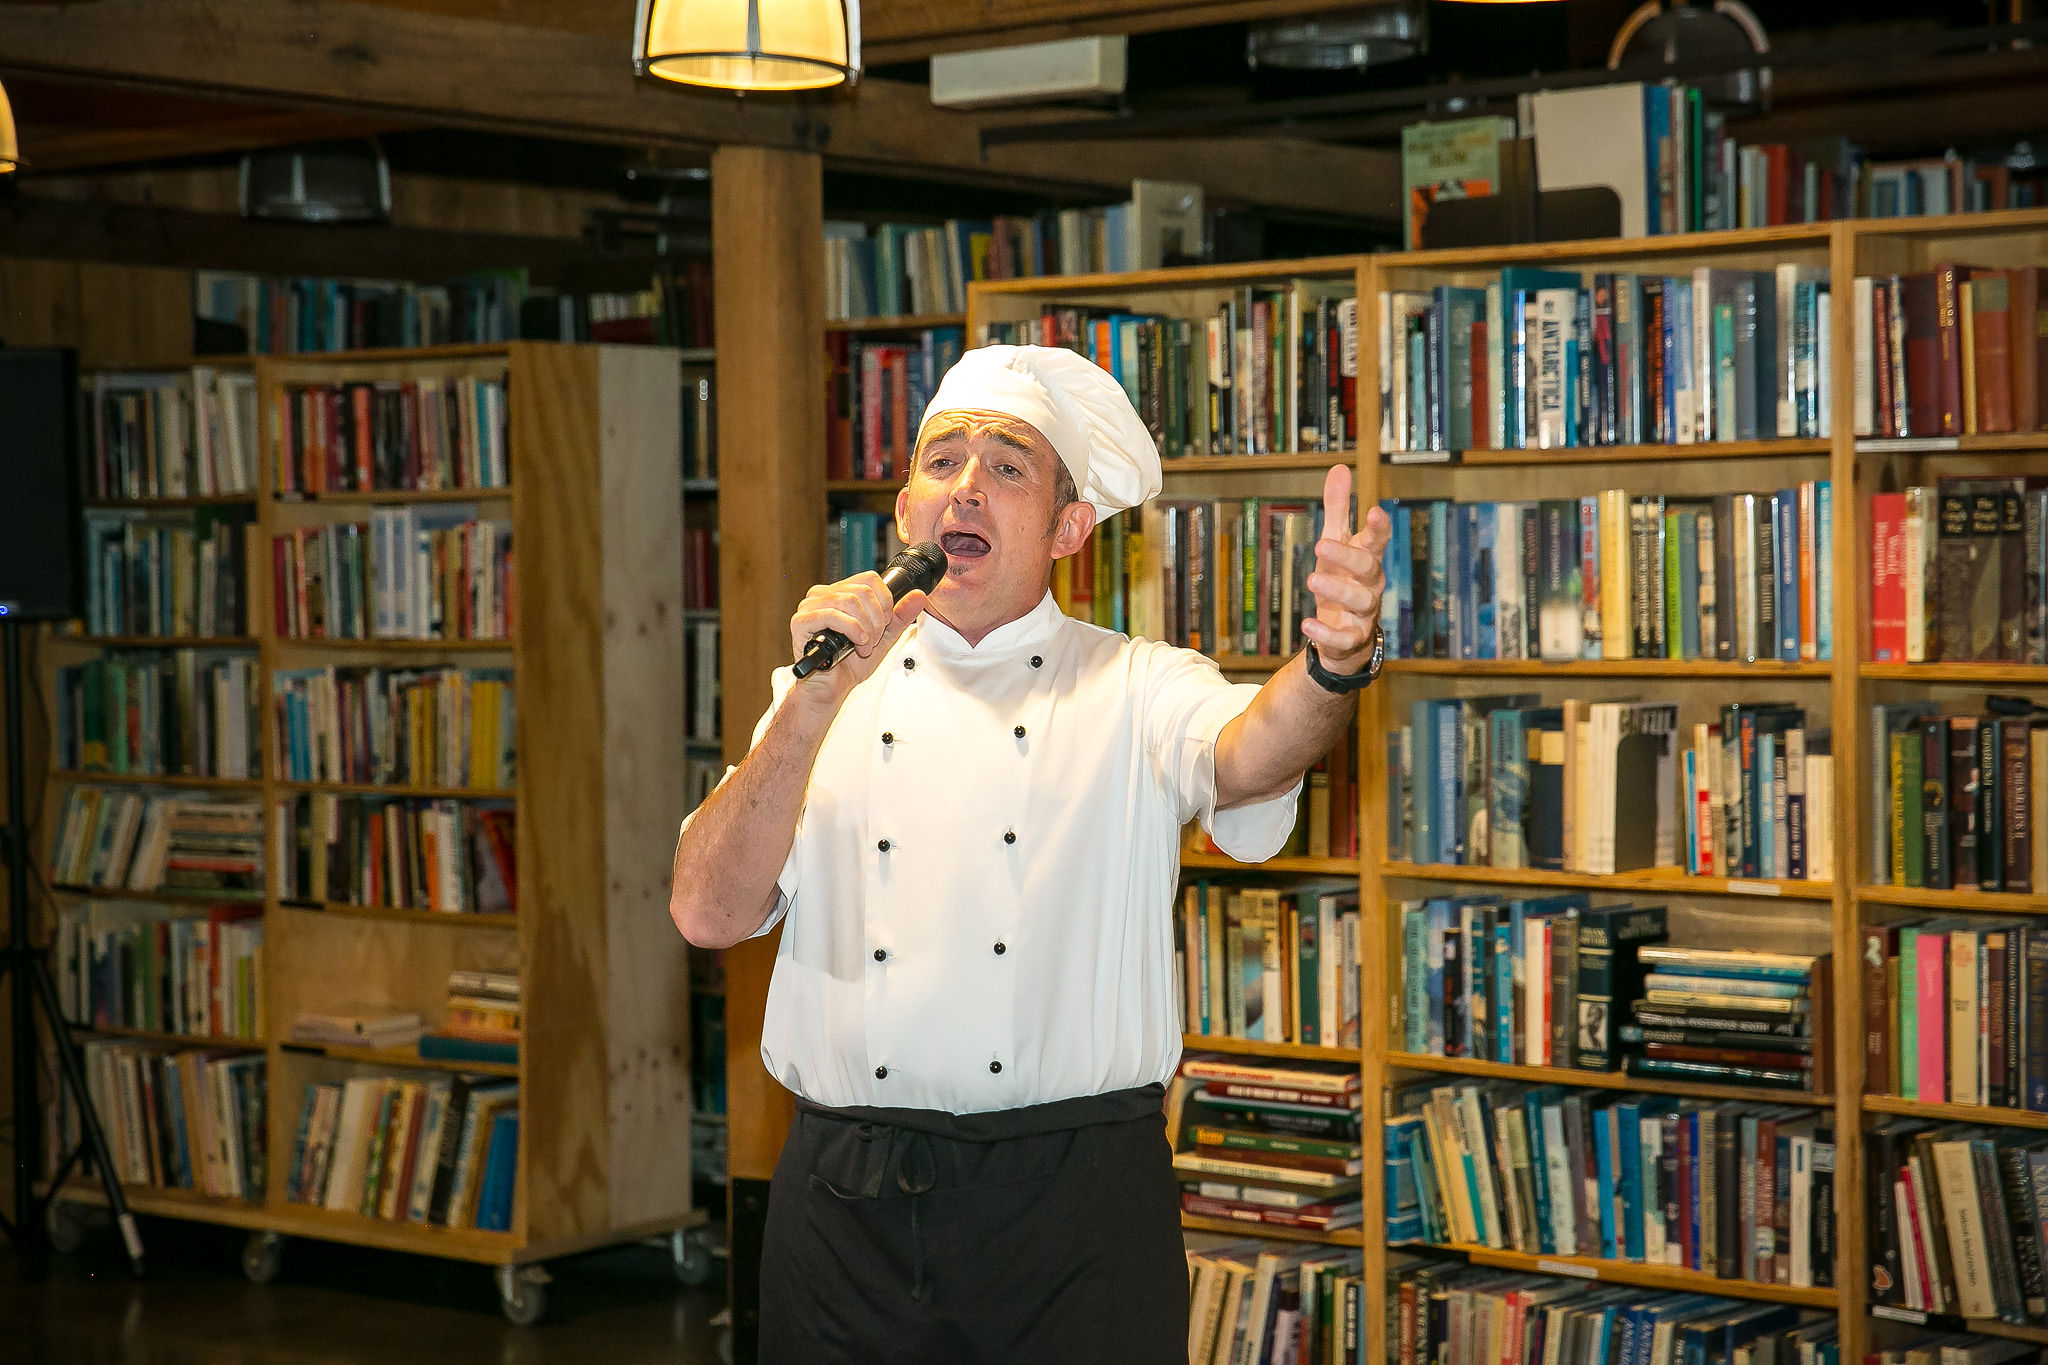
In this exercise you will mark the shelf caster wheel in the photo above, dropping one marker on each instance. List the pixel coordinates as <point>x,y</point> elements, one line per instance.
<point>263,1257</point>
<point>692,1257</point>
<point>523,1294</point>
<point>65,1222</point>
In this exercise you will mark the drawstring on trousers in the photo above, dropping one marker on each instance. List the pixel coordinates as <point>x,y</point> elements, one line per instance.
<point>916,1147</point>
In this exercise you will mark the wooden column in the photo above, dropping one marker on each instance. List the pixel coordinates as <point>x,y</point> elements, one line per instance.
<point>767,235</point>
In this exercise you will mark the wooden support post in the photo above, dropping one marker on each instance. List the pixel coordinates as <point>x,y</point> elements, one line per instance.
<point>767,220</point>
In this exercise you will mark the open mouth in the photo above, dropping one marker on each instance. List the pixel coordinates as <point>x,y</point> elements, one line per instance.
<point>963,545</point>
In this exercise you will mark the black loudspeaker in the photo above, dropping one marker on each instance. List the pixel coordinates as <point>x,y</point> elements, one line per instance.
<point>42,568</point>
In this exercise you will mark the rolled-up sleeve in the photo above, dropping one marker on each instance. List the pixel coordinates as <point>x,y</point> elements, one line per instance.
<point>786,881</point>
<point>1187,702</point>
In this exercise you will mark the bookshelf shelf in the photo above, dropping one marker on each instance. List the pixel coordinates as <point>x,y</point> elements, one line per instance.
<point>862,485</point>
<point>313,642</point>
<point>1600,1080</point>
<point>1703,452</point>
<point>1214,862</point>
<point>1340,1237</point>
<point>174,1203</point>
<point>164,895</point>
<point>1659,882</point>
<point>377,355</point>
<point>1994,1115</point>
<point>1952,445</point>
<point>1259,1047</point>
<point>344,910</point>
<point>160,780</point>
<point>395,497</point>
<point>591,441</point>
<point>1255,464</point>
<point>908,322</point>
<point>401,789</point>
<point>1648,1276</point>
<point>155,641</point>
<point>1959,674</point>
<point>1999,902</point>
<point>1762,671</point>
<point>143,1035</point>
<point>400,1057</point>
<point>170,504</point>
<point>1250,663</point>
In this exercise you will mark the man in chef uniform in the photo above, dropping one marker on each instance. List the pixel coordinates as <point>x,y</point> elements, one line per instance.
<point>969,831</point>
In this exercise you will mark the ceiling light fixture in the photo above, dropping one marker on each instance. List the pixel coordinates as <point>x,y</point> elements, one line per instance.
<point>749,44</point>
<point>10,149</point>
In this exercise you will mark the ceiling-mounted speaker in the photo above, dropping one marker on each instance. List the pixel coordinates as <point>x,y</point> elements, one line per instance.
<point>328,182</point>
<point>1671,31</point>
<point>1348,41</point>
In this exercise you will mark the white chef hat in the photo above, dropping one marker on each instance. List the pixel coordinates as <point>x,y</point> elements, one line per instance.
<point>1075,404</point>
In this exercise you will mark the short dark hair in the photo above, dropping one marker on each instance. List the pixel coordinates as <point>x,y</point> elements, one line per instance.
<point>1064,494</point>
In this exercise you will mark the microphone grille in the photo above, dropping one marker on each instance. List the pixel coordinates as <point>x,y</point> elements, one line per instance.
<point>927,563</point>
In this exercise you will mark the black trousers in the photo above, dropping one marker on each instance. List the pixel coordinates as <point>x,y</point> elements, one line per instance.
<point>1050,1233</point>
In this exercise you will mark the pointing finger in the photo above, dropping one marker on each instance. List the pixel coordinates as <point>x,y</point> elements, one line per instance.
<point>1337,502</point>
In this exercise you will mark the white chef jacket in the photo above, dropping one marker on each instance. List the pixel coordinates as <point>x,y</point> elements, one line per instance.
<point>979,897</point>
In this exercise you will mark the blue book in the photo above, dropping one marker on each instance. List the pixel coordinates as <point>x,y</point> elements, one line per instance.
<point>1458,579</point>
<point>1448,751</point>
<point>1667,1310</point>
<point>494,1201</point>
<point>1656,137</point>
<point>1443,643</point>
<point>1503,989</point>
<point>1571,379</point>
<point>1603,1164</point>
<point>1785,526</point>
<point>1824,568</point>
<point>1422,773</point>
<point>1515,367</point>
<point>1460,309</point>
<point>1766,819</point>
<point>1397,603</point>
<point>442,1047</point>
<point>1415,979</point>
<point>1485,574</point>
<point>1533,1102</point>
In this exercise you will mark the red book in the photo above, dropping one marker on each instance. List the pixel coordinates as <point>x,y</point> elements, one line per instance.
<point>2024,341</point>
<point>1991,331</point>
<point>1948,277</point>
<point>1888,577</point>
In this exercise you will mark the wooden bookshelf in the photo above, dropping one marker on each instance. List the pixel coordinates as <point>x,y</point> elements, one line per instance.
<point>1606,668</point>
<point>1993,1115</point>
<point>1657,882</point>
<point>1705,451</point>
<point>594,499</point>
<point>88,778</point>
<point>908,322</point>
<point>1976,902</point>
<point>1259,1047</point>
<point>1314,867</point>
<point>1648,1276</point>
<point>1821,915</point>
<point>1336,1237</point>
<point>1602,1080</point>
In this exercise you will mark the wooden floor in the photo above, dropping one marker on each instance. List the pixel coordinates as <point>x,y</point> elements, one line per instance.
<point>337,1306</point>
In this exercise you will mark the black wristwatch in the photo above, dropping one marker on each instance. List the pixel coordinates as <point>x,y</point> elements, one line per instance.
<point>1350,682</point>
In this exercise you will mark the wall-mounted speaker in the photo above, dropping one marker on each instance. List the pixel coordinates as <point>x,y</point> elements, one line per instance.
<point>42,571</point>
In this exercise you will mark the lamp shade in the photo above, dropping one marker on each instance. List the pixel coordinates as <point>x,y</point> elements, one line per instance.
<point>10,150</point>
<point>749,44</point>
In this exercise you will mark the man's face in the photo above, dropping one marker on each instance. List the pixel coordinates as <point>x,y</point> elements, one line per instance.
<point>982,486</point>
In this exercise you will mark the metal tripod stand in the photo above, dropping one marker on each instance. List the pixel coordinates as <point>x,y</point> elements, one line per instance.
<point>28,970</point>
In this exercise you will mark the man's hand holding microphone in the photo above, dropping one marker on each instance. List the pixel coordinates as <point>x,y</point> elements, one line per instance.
<point>841,631</point>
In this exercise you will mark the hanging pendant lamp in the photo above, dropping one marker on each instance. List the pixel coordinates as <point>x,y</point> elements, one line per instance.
<point>10,150</point>
<point>749,44</point>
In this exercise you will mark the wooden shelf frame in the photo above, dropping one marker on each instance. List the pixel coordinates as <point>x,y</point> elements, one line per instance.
<point>1847,249</point>
<point>595,502</point>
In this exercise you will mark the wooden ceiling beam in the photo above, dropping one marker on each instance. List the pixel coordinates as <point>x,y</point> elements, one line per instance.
<point>376,62</point>
<point>69,150</point>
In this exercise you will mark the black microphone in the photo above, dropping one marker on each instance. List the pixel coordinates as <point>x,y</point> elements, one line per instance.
<point>917,569</point>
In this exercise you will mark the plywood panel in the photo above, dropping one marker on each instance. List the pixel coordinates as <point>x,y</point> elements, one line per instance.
<point>648,1002</point>
<point>134,315</point>
<point>558,525</point>
<point>39,302</point>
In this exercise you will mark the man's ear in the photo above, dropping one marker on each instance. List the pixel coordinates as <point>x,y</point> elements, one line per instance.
<point>1075,525</point>
<point>902,507</point>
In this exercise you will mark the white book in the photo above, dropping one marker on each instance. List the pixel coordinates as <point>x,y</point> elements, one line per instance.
<point>1865,358</point>
<point>1511,639</point>
<point>1703,356</point>
<point>1800,1273</point>
<point>359,1097</point>
<point>1387,424</point>
<point>1918,530</point>
<point>1496,368</point>
<point>1962,1017</point>
<point>1824,369</point>
<point>1555,310</point>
